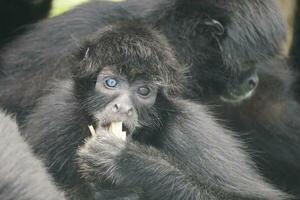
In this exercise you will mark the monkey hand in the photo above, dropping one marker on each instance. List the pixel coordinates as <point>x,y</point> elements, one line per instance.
<point>99,155</point>
<point>98,159</point>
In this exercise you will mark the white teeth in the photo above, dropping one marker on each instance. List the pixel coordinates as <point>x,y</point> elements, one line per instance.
<point>116,129</point>
<point>92,130</point>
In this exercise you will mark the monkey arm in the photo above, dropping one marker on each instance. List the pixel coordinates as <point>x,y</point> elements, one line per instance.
<point>209,152</point>
<point>130,165</point>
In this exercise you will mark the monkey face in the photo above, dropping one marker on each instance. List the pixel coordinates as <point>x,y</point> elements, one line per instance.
<point>116,99</point>
<point>122,73</point>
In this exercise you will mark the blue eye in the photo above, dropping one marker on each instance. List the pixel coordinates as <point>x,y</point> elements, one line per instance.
<point>111,82</point>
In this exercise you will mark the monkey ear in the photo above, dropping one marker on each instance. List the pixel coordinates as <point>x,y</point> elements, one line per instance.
<point>215,26</point>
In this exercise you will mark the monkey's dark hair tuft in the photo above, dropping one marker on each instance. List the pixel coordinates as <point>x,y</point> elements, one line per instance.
<point>134,50</point>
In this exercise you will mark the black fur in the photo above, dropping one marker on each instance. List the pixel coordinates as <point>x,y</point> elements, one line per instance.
<point>22,176</point>
<point>16,13</point>
<point>216,38</point>
<point>269,124</point>
<point>176,152</point>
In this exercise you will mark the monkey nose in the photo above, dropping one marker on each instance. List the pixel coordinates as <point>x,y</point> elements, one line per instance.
<point>117,108</point>
<point>130,111</point>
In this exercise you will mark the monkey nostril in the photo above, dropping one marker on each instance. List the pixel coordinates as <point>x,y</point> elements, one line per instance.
<point>130,111</point>
<point>116,107</point>
<point>252,83</point>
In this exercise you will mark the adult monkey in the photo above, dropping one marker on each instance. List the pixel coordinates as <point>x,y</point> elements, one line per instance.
<point>220,40</point>
<point>174,150</point>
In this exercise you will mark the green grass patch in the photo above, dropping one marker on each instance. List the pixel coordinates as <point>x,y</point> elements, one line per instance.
<point>61,6</point>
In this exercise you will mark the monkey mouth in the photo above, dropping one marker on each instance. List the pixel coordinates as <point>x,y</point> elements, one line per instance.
<point>124,127</point>
<point>235,99</point>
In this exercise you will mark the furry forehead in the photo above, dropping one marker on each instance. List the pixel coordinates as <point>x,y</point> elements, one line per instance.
<point>133,48</point>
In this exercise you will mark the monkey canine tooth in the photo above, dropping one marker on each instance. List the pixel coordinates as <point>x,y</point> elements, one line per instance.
<point>92,130</point>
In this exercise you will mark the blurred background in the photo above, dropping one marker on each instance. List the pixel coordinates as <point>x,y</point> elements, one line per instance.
<point>61,6</point>
<point>289,8</point>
